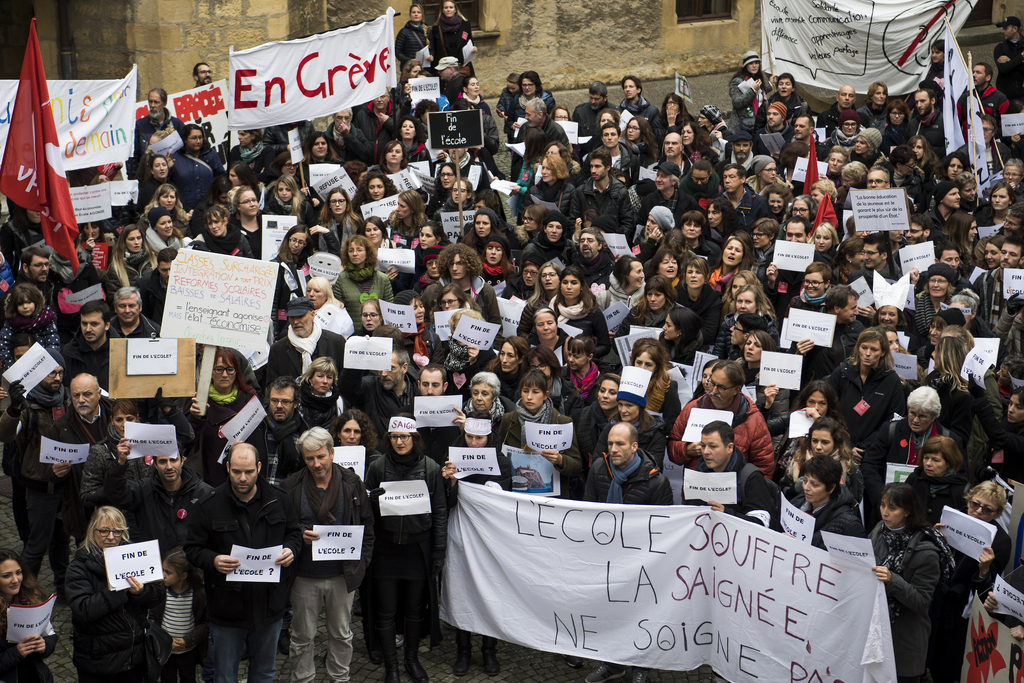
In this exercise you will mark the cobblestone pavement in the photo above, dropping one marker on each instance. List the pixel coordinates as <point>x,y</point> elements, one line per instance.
<point>517,663</point>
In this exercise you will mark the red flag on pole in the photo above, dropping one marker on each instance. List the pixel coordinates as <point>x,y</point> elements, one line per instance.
<point>826,212</point>
<point>812,167</point>
<point>32,170</point>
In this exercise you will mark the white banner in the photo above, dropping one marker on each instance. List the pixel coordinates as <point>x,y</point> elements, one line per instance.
<point>634,585</point>
<point>153,440</point>
<point>856,42</point>
<point>205,106</point>
<point>94,119</point>
<point>299,80</point>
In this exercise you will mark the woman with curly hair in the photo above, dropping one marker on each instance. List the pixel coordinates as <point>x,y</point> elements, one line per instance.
<point>373,187</point>
<point>833,440</point>
<point>360,279</point>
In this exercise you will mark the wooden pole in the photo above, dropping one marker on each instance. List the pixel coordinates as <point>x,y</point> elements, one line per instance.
<point>768,40</point>
<point>205,377</point>
<point>458,184</point>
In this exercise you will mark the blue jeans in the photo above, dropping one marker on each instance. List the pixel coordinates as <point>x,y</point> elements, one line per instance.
<point>227,652</point>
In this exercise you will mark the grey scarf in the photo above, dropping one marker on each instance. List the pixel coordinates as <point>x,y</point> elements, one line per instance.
<point>542,416</point>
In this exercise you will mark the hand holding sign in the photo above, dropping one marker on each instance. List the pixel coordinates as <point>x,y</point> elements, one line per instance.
<point>140,561</point>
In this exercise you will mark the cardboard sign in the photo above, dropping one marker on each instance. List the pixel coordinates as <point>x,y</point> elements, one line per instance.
<point>852,548</point>
<point>152,357</point>
<point>718,487</point>
<point>458,129</point>
<point>91,203</point>
<point>368,353</point>
<point>781,369</point>
<point>818,327</point>
<point>56,452</point>
<point>424,88</point>
<point>511,314</point>
<point>351,457</point>
<point>338,542</point>
<point>882,209</point>
<point>256,565</point>
<point>156,440</point>
<point>919,256</point>
<point>441,326</point>
<point>32,368</point>
<point>470,461</point>
<point>473,332</point>
<point>402,317</point>
<point>182,382</point>
<point>796,522</point>
<point>700,418</point>
<point>402,260</point>
<point>138,560</point>
<point>965,533</point>
<point>906,365</point>
<point>436,411</point>
<point>799,424</point>
<point>548,437</point>
<point>403,498</point>
<point>381,209</point>
<point>24,621</point>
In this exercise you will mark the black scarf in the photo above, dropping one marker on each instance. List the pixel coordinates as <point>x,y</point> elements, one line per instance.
<point>450,25</point>
<point>543,241</point>
<point>458,356</point>
<point>288,457</point>
<point>223,245</point>
<point>552,192</point>
<point>510,383</point>
<point>320,411</point>
<point>323,506</point>
<point>46,398</point>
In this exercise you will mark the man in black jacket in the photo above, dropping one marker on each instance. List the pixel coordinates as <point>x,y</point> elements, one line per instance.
<point>89,350</point>
<point>596,259</point>
<point>1009,59</point>
<point>347,140</point>
<point>846,98</point>
<point>586,113</point>
<point>667,194</point>
<point>927,120</point>
<point>436,440</point>
<point>129,322</point>
<point>380,394</point>
<point>244,511</point>
<point>277,437</point>
<point>306,341</point>
<point>820,361</point>
<point>604,194</point>
<point>153,285</point>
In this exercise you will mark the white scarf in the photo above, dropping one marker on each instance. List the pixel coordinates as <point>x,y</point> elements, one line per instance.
<point>307,345</point>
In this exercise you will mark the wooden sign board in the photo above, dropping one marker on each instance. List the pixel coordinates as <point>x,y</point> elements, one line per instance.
<point>144,386</point>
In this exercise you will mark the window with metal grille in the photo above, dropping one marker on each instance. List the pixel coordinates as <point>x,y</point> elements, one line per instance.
<point>702,10</point>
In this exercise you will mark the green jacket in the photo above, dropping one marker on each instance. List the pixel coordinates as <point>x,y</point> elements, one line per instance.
<point>348,292</point>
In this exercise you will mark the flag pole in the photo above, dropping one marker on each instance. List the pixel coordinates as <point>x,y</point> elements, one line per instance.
<point>768,41</point>
<point>970,95</point>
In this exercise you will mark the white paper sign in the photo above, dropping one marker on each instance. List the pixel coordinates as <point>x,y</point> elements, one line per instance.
<point>402,498</point>
<point>548,437</point>
<point>168,146</point>
<point>424,56</point>
<point>473,332</point>
<point>978,272</point>
<point>896,472</point>
<point>818,327</point>
<point>718,487</point>
<point>865,297</point>
<point>511,314</point>
<point>983,232</point>
<point>773,141</point>
<point>799,424</point>
<point>468,52</point>
<point>852,548</point>
<point>338,542</point>
<point>32,368</point>
<point>1013,281</point>
<point>975,365</point>
<point>441,318</point>
<point>919,256</point>
<point>800,170</point>
<point>613,315</point>
<point>880,209</point>
<point>381,209</point>
<point>402,317</point>
<point>340,177</point>
<point>470,461</point>
<point>906,365</point>
<point>624,344</point>
<point>403,260</point>
<point>351,457</point>
<point>428,88</point>
<point>139,560</point>
<point>244,423</point>
<point>965,533</point>
<point>796,522</point>
<point>1008,600</point>
<point>334,318</point>
<point>256,565</point>
<point>793,256</point>
<point>450,223</point>
<point>91,203</point>
<point>123,191</point>
<point>436,411</point>
<point>617,244</point>
<point>93,293</point>
<point>373,353</point>
<point>572,131</point>
<point>29,620</point>
<point>624,118</point>
<point>570,330</point>
<point>781,369</point>
<point>1012,124</point>
<point>155,440</point>
<point>152,357</point>
<point>56,452</point>
<point>701,417</point>
<point>295,146</point>
<point>635,380</point>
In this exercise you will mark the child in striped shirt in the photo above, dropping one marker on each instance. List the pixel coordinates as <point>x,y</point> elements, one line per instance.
<point>183,616</point>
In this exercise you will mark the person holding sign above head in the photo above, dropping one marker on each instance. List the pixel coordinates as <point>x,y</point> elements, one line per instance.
<point>410,540</point>
<point>326,494</point>
<point>247,607</point>
<point>23,660</point>
<point>913,559</point>
<point>360,278</point>
<point>224,237</point>
<point>306,341</point>
<point>380,393</point>
<point>108,626</point>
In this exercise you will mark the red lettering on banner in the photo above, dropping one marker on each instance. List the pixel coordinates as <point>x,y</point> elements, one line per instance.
<point>319,90</point>
<point>276,80</point>
<point>240,88</point>
<point>203,104</point>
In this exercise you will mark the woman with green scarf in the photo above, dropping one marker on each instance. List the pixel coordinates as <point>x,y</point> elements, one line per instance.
<point>360,280</point>
<point>253,153</point>
<point>229,394</point>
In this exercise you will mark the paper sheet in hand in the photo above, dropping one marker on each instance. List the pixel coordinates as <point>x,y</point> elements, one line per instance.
<point>548,437</point>
<point>441,319</point>
<point>93,293</point>
<point>1008,600</point>
<point>965,533</point>
<point>799,424</point>
<point>865,297</point>
<point>435,411</point>
<point>624,345</point>
<point>169,145</point>
<point>906,365</point>
<point>897,472</point>
<point>1013,282</point>
<point>368,354</point>
<point>511,314</point>
<point>402,260</point>
<point>613,315</point>
<point>244,423</point>
<point>796,522</point>
<point>338,542</point>
<point>139,560</point>
<point>257,564</point>
<point>152,357</point>
<point>852,548</point>
<point>401,316</point>
<point>155,440</point>
<point>699,417</point>
<point>381,209</point>
<point>781,369</point>
<point>919,256</point>
<point>617,244</point>
<point>467,52</point>
<point>426,88</point>
<point>773,141</point>
<point>800,170</point>
<point>572,131</point>
<point>473,332</point>
<point>30,620</point>
<point>402,498</point>
<point>532,473</point>
<point>351,457</point>
<point>32,368</point>
<point>818,327</point>
<point>1011,125</point>
<point>123,191</point>
<point>718,487</point>
<point>56,452</point>
<point>470,461</point>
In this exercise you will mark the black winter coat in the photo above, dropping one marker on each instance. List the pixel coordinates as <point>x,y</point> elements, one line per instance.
<point>409,41</point>
<point>708,308</point>
<point>652,442</point>
<point>646,486</point>
<point>757,494</point>
<point>838,516</point>
<point>936,492</point>
<point>79,357</point>
<point>108,626</point>
<point>15,668</point>
<point>592,423</point>
<point>286,360</point>
<point>883,394</point>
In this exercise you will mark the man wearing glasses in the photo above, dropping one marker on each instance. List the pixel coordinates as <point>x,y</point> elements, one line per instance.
<point>306,341</point>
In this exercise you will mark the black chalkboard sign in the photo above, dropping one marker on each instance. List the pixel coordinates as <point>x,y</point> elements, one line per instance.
<point>453,129</point>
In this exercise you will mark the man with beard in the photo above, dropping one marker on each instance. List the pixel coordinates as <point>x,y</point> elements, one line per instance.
<point>636,105</point>
<point>667,194</point>
<point>586,114</point>
<point>927,120</point>
<point>595,258</point>
<point>738,151</point>
<point>202,74</point>
<point>776,124</point>
<point>89,350</point>
<point>380,394</point>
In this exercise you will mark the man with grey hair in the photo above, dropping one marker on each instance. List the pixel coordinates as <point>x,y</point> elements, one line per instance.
<point>537,117</point>
<point>129,321</point>
<point>306,341</point>
<point>595,257</point>
<point>667,194</point>
<point>899,442</point>
<point>326,494</point>
<point>380,393</point>
<point>347,140</point>
<point>586,114</point>
<point>969,303</point>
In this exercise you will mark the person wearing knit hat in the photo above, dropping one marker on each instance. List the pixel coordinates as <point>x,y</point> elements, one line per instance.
<point>775,122</point>
<point>846,98</point>
<point>712,113</point>
<point>761,162</point>
<point>750,57</point>
<point>778,107</point>
<point>496,260</point>
<point>938,283</point>
<point>845,135</point>
<point>865,148</point>
<point>749,90</point>
<point>664,218</point>
<point>432,271</point>
<point>946,196</point>
<point>156,213</point>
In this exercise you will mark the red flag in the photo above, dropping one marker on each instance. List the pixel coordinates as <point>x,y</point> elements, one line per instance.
<point>812,166</point>
<point>826,212</point>
<point>32,170</point>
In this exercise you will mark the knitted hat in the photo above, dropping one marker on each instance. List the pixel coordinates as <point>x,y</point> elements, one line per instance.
<point>662,214</point>
<point>557,217</point>
<point>849,115</point>
<point>156,213</point>
<point>749,57</point>
<point>942,189</point>
<point>711,113</point>
<point>431,253</point>
<point>56,355</point>
<point>779,108</point>
<point>534,256</point>
<point>952,316</point>
<point>495,238</point>
<point>405,297</point>
<point>873,137</point>
<point>940,270</point>
<point>760,162</point>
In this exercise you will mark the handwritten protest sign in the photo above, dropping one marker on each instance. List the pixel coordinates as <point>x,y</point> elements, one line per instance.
<point>796,522</point>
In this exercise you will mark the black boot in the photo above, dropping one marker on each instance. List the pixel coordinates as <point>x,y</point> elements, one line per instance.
<point>490,652</point>
<point>464,651</point>
<point>386,641</point>
<point>412,647</point>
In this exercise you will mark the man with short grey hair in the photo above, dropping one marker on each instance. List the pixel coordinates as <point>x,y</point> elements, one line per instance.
<point>537,117</point>
<point>326,494</point>
<point>347,140</point>
<point>129,321</point>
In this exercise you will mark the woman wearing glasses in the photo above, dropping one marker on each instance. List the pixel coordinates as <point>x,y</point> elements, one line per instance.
<point>229,393</point>
<point>409,549</point>
<point>339,217</point>
<point>108,626</point>
<point>248,217</point>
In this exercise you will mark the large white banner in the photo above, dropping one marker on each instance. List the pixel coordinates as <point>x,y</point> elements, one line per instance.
<point>94,119</point>
<point>320,75</point>
<point>662,587</point>
<point>206,106</point>
<point>856,42</point>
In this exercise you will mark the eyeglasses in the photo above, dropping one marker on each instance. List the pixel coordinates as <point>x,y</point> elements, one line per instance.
<point>914,415</point>
<point>400,437</point>
<point>297,241</point>
<point>447,175</point>
<point>699,181</point>
<point>280,402</point>
<point>370,315</point>
<point>975,506</point>
<point>449,302</point>
<point>249,201</point>
<point>865,252</point>
<point>813,283</point>
<point>715,386</point>
<point>336,202</point>
<point>116,533</point>
<point>221,370</point>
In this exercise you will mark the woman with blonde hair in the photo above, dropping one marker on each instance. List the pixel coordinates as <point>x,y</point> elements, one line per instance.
<point>284,199</point>
<point>319,291</point>
<point>551,185</point>
<point>166,195</point>
<point>740,279</point>
<point>319,400</point>
<point>130,259</point>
